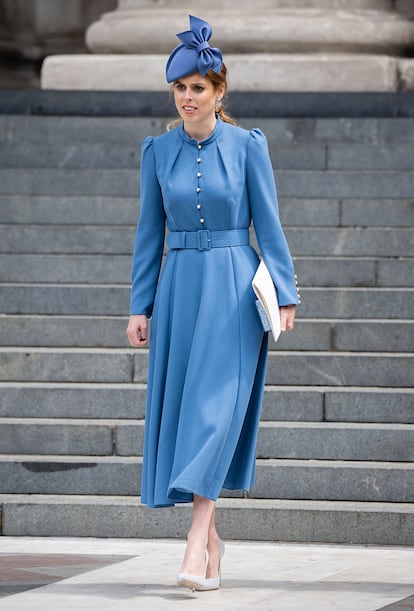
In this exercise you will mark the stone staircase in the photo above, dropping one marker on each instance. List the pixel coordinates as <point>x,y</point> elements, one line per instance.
<point>336,443</point>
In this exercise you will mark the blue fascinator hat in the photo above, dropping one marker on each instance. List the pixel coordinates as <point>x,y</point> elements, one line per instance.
<point>194,54</point>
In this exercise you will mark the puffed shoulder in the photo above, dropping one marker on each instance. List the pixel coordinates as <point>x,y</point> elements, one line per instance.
<point>147,143</point>
<point>257,145</point>
<point>256,136</point>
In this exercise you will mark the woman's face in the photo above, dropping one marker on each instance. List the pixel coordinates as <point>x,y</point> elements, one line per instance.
<point>195,98</point>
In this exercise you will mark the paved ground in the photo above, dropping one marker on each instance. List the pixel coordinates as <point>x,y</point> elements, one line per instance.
<point>116,574</point>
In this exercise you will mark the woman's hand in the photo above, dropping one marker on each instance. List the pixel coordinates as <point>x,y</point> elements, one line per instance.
<point>137,330</point>
<point>287,317</point>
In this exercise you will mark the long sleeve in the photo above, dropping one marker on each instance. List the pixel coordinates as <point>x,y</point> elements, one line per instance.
<point>265,213</point>
<point>149,238</point>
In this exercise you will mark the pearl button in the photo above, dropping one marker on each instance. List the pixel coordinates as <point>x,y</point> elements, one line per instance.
<point>198,174</point>
<point>198,189</point>
<point>201,221</point>
<point>198,206</point>
<point>199,160</point>
<point>199,147</point>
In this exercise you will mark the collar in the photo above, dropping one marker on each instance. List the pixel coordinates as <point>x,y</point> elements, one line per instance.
<point>214,134</point>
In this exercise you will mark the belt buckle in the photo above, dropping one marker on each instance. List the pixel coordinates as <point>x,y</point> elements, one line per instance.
<point>203,239</point>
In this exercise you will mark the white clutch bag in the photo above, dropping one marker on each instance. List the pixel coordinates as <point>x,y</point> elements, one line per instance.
<point>267,303</point>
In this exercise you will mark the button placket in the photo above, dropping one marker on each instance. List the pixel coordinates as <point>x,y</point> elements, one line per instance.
<point>198,189</point>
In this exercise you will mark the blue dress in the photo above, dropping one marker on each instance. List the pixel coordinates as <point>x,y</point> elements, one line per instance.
<point>208,351</point>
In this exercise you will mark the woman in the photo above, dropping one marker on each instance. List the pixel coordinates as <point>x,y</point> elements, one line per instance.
<point>205,180</point>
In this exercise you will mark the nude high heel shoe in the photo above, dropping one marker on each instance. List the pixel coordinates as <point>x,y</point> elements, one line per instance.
<point>194,582</point>
<point>213,583</point>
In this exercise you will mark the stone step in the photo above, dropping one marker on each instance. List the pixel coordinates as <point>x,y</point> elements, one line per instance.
<point>395,272</point>
<point>101,210</point>
<point>69,210</point>
<point>335,441</point>
<point>72,365</point>
<point>275,479</point>
<point>300,156</point>
<point>113,300</point>
<point>375,213</point>
<point>81,129</point>
<point>62,239</point>
<point>62,437</point>
<point>244,519</point>
<point>309,440</point>
<point>350,241</point>
<point>293,440</point>
<point>280,403</point>
<point>70,155</point>
<point>107,239</point>
<point>360,157</point>
<point>109,332</point>
<point>369,405</point>
<point>116,269</point>
<point>286,368</point>
<point>118,183</point>
<point>131,130</point>
<point>349,302</point>
<point>353,271</point>
<point>102,475</point>
<point>94,269</point>
<point>375,131</point>
<point>341,369</point>
<point>379,336</point>
<point>291,183</point>
<point>92,401</point>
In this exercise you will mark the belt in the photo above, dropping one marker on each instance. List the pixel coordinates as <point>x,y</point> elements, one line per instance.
<point>204,239</point>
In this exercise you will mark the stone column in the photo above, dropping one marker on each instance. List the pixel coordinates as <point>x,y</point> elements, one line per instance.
<point>269,45</point>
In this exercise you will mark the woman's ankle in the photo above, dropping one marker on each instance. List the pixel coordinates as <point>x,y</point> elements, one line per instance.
<point>213,539</point>
<point>196,538</point>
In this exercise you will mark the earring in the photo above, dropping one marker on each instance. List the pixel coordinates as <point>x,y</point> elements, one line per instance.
<point>218,104</point>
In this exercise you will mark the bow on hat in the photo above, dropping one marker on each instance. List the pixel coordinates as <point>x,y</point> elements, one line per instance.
<point>194,54</point>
